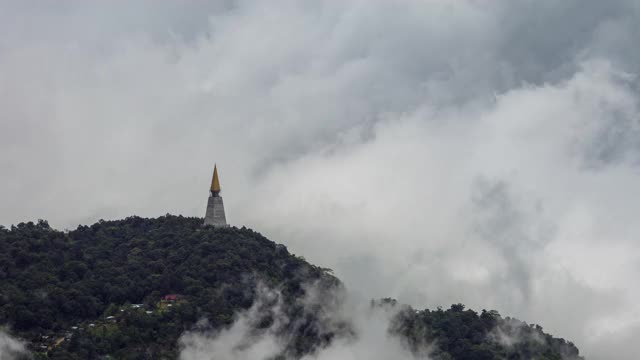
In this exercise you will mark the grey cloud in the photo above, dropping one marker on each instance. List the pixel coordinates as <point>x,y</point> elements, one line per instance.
<point>502,225</point>
<point>355,134</point>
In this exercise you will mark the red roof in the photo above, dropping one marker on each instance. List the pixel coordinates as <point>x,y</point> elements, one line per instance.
<point>171,297</point>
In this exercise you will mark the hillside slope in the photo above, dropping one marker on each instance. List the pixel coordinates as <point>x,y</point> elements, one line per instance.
<point>129,289</point>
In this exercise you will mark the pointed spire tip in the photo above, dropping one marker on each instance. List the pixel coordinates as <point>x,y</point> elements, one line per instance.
<point>215,182</point>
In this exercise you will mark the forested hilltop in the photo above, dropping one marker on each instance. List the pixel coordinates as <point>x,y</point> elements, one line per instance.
<point>129,289</point>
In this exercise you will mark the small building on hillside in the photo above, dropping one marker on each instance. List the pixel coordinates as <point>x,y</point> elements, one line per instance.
<point>172,297</point>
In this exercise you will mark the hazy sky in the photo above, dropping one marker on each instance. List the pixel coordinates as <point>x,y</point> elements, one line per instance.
<point>476,151</point>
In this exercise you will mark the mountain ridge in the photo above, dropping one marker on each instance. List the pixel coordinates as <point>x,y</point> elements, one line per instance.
<point>101,290</point>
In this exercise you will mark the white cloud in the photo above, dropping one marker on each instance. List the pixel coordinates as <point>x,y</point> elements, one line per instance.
<point>490,212</point>
<point>370,325</point>
<point>10,348</point>
<point>241,340</point>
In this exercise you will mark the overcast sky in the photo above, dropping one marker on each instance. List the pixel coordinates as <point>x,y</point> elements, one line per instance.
<point>435,151</point>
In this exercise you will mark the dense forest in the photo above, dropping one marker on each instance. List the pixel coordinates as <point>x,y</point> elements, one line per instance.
<point>129,289</point>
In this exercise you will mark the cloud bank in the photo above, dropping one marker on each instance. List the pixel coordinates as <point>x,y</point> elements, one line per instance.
<point>478,151</point>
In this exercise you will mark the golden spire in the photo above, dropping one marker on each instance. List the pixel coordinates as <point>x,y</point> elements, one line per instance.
<point>215,183</point>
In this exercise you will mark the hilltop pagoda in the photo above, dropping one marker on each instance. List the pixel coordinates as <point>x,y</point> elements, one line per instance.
<point>215,208</point>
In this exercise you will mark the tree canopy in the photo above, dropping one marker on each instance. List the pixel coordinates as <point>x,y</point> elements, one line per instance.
<point>102,290</point>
